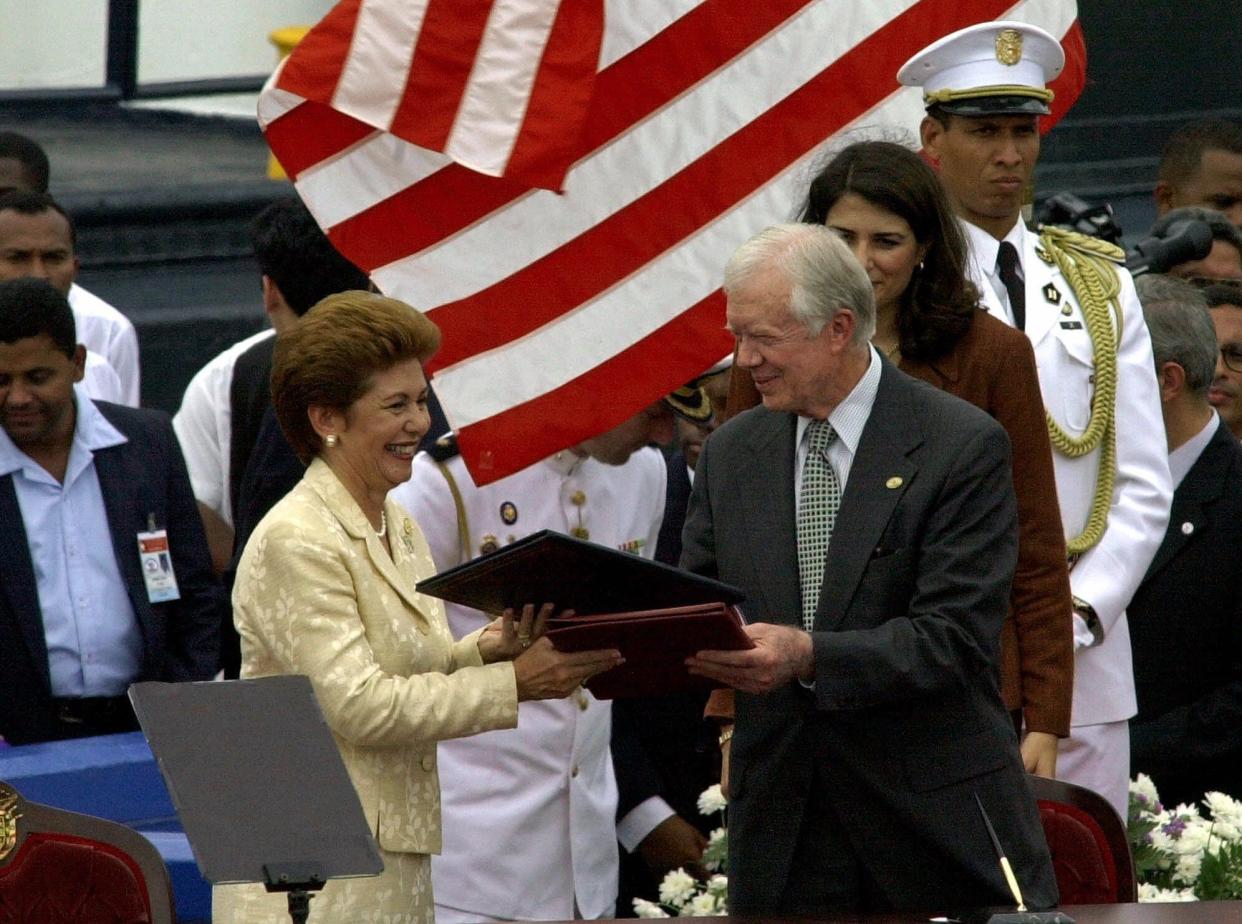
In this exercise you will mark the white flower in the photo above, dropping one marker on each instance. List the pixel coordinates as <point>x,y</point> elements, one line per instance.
<point>1226,815</point>
<point>1144,791</point>
<point>712,800</point>
<point>704,905</point>
<point>1150,893</point>
<point>676,888</point>
<point>718,885</point>
<point>646,909</point>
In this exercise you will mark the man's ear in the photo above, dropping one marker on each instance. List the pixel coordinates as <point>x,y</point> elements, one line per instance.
<point>79,362</point>
<point>931,131</point>
<point>1172,381</point>
<point>273,298</point>
<point>1163,194</point>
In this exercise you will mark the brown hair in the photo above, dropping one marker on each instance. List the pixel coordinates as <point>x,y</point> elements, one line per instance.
<point>940,303</point>
<point>331,355</point>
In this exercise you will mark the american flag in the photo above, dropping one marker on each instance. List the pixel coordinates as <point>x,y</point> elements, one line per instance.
<point>558,184</point>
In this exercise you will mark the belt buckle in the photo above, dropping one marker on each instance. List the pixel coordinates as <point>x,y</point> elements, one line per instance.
<point>65,713</point>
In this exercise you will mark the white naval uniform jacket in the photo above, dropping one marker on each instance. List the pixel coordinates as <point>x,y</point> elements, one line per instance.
<point>1107,575</point>
<point>529,815</point>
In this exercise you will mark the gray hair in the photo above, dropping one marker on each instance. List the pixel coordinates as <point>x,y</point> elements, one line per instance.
<point>1181,328</point>
<point>823,272</point>
<point>1222,228</point>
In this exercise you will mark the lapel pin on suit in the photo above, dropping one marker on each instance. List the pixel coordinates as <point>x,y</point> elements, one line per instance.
<point>894,482</point>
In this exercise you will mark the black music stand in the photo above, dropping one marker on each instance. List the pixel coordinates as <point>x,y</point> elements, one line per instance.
<point>258,783</point>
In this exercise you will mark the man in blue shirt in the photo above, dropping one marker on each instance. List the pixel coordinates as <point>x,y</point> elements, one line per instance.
<point>104,572</point>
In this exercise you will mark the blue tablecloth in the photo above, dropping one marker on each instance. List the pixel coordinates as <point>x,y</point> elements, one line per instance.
<point>112,777</point>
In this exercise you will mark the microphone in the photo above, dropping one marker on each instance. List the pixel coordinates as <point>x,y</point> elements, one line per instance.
<point>1186,240</point>
<point>1021,916</point>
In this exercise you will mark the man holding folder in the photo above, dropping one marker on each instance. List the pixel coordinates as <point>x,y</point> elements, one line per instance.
<point>871,522</point>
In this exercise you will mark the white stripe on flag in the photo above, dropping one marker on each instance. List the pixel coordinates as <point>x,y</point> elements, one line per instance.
<point>639,160</point>
<point>374,169</point>
<point>274,102</point>
<point>373,79</point>
<point>1054,15</point>
<point>498,92</point>
<point>631,23</point>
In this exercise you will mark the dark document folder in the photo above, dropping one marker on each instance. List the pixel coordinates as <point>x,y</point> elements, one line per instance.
<point>656,615</point>
<point>572,574</point>
<point>655,645</point>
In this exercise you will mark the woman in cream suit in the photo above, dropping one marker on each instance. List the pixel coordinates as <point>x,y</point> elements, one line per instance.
<point>325,587</point>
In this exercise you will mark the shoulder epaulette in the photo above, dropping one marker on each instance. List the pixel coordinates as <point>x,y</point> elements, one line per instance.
<point>1073,240</point>
<point>444,448</point>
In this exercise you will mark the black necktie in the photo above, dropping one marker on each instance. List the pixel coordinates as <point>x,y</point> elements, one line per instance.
<point>1015,285</point>
<point>1011,275</point>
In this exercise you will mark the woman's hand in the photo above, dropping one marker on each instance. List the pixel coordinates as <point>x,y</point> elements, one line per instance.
<point>542,672</point>
<point>507,637</point>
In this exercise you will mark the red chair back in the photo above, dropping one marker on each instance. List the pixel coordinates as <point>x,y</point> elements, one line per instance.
<point>1087,840</point>
<point>58,866</point>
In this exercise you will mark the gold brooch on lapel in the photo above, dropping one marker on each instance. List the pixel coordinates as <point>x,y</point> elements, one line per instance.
<point>407,534</point>
<point>1067,310</point>
<point>893,483</point>
<point>1052,294</point>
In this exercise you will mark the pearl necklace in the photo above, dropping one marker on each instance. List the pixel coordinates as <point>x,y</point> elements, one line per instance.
<point>383,530</point>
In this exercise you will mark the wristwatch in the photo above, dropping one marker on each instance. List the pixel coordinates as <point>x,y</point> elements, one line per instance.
<point>1089,616</point>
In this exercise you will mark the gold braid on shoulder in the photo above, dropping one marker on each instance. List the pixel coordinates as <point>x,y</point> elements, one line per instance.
<point>1089,265</point>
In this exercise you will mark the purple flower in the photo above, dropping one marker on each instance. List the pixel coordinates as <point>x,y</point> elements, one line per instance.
<point>1175,827</point>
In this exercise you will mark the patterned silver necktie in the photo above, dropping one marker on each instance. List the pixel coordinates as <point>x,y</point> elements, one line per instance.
<point>817,513</point>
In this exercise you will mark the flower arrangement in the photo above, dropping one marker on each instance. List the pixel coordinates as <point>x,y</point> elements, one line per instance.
<point>1181,854</point>
<point>683,896</point>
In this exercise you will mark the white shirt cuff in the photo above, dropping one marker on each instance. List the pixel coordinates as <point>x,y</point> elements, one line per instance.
<point>1083,638</point>
<point>640,821</point>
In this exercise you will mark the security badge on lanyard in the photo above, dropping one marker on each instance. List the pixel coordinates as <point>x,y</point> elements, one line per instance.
<point>157,569</point>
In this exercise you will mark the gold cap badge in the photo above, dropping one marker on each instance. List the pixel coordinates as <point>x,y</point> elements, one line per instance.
<point>1009,46</point>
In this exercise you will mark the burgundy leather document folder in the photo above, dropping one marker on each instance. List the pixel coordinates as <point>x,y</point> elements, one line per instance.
<point>655,645</point>
<point>656,615</point>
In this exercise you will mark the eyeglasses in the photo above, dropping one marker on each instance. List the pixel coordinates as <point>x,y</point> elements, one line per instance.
<point>1232,355</point>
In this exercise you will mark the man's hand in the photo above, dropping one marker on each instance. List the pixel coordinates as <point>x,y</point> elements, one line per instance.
<point>674,843</point>
<point>781,654</point>
<point>1039,754</point>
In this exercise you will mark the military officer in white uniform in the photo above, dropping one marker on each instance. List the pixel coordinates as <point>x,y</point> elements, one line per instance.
<point>985,89</point>
<point>529,814</point>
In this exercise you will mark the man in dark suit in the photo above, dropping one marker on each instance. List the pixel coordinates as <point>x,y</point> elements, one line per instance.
<point>105,577</point>
<point>870,520</point>
<point>1186,617</point>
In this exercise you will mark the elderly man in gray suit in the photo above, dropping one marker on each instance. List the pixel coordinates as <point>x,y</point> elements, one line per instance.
<point>871,521</point>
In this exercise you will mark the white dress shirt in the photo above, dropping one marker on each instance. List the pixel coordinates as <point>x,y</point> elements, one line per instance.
<point>1183,458</point>
<point>204,427</point>
<point>848,419</point>
<point>104,330</point>
<point>94,643</point>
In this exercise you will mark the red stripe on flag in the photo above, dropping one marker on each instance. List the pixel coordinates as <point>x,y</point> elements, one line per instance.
<point>551,135</point>
<point>315,66</point>
<point>599,399</point>
<point>311,132</point>
<point>692,198</point>
<point>1069,85</point>
<point>444,54</point>
<point>625,93</point>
